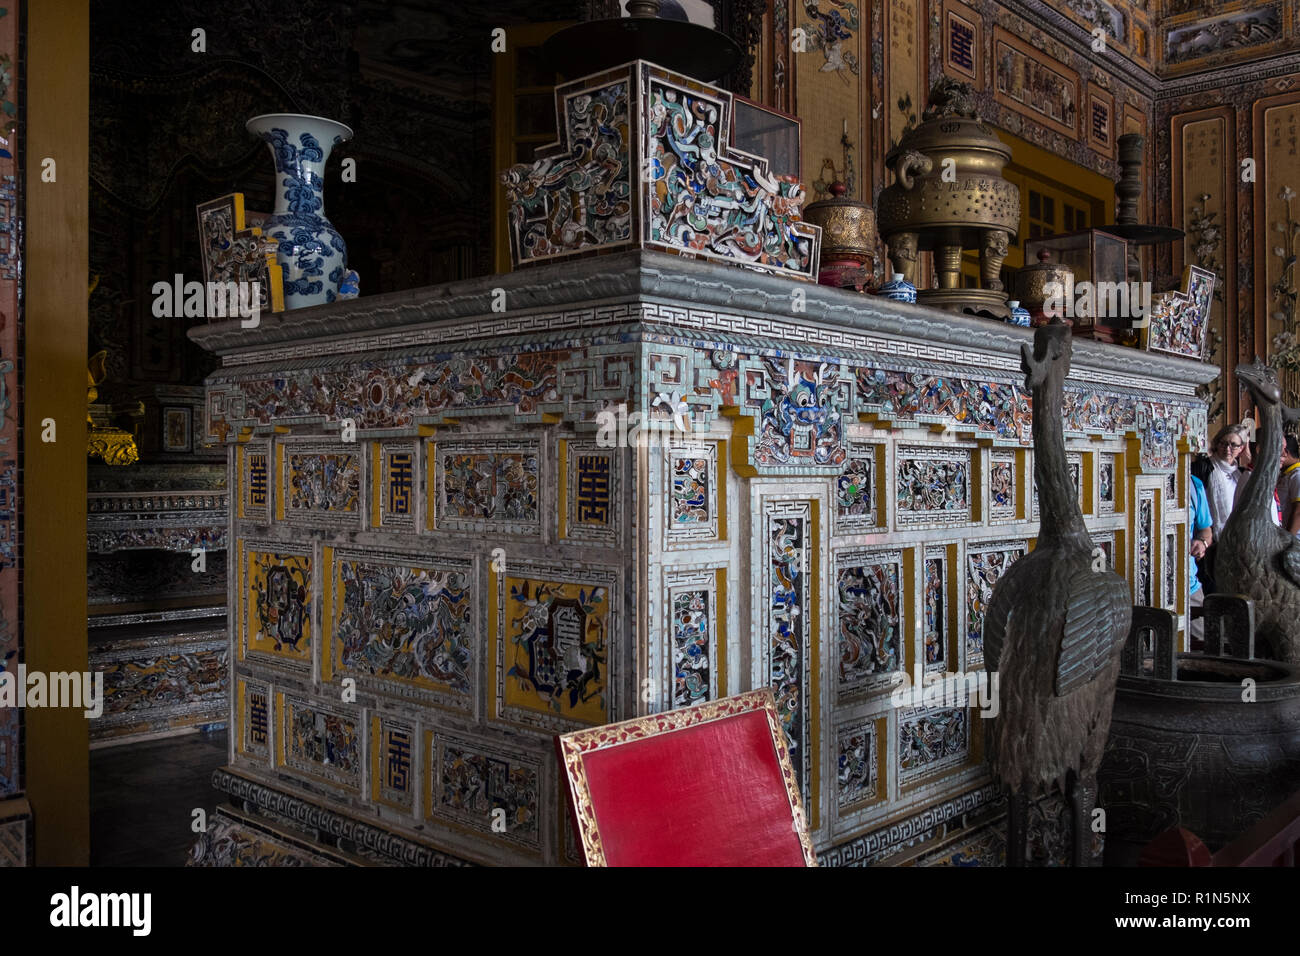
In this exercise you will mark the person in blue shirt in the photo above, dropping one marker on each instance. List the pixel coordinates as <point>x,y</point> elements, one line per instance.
<point>1202,536</point>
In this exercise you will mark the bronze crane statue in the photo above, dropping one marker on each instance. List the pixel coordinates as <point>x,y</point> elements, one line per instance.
<point>1054,631</point>
<point>1256,557</point>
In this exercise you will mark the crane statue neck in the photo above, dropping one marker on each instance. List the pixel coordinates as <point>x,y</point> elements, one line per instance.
<point>1046,368</point>
<point>1257,497</point>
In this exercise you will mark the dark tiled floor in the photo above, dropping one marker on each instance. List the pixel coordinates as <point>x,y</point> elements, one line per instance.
<point>143,796</point>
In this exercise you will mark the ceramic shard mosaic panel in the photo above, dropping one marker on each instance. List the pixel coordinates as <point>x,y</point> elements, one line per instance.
<point>1002,410</point>
<point>230,842</point>
<point>255,718</point>
<point>1002,487</point>
<point>935,609</point>
<point>256,490</point>
<point>1106,485</point>
<point>1160,427</point>
<point>717,204</point>
<point>692,484</point>
<point>856,506</point>
<point>13,843</point>
<point>476,787</point>
<point>278,601</point>
<point>996,408</point>
<point>787,589</point>
<point>1145,585</point>
<point>799,408</point>
<point>1180,320</point>
<point>322,488</point>
<point>930,740</point>
<point>10,775</point>
<point>398,486</point>
<point>1107,545</point>
<point>1171,567</point>
<point>320,742</point>
<point>985,564</point>
<point>692,602</point>
<point>932,485</point>
<point>393,744</point>
<point>231,252</point>
<point>488,487</point>
<point>8,514</point>
<point>404,627</point>
<point>161,683</point>
<point>388,396</point>
<point>869,618</point>
<point>553,649</point>
<point>545,221</point>
<point>593,490</point>
<point>856,765</point>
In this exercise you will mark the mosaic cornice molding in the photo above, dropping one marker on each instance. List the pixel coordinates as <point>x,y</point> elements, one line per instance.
<point>383,843</point>
<point>106,540</point>
<point>1283,68</point>
<point>155,504</point>
<point>692,289</point>
<point>1080,41</point>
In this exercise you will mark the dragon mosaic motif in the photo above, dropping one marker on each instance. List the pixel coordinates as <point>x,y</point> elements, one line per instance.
<point>679,187</point>
<point>928,740</point>
<point>472,787</point>
<point>411,623</point>
<point>394,396</point>
<point>580,197</point>
<point>702,201</point>
<point>856,766</point>
<point>690,647</point>
<point>799,407</point>
<point>870,620</point>
<point>1004,410</point>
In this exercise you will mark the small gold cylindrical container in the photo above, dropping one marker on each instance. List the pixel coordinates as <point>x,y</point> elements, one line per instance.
<point>850,245</point>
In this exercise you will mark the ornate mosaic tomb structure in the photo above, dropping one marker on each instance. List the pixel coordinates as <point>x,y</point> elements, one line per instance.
<point>156,572</point>
<point>649,482</point>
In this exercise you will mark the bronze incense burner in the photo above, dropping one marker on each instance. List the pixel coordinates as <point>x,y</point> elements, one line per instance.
<point>949,195</point>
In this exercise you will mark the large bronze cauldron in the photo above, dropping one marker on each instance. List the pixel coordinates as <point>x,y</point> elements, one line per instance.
<point>949,193</point>
<point>1190,752</point>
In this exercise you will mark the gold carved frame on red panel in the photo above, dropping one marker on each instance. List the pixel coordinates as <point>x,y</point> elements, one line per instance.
<point>573,746</point>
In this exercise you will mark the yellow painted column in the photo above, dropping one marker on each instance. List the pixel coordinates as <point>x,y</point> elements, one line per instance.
<point>54,480</point>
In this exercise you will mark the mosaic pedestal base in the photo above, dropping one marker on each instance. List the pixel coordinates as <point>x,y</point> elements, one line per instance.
<point>457,531</point>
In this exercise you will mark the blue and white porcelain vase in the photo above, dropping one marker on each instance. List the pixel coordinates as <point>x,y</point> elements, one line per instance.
<point>309,250</point>
<point>899,289</point>
<point>1019,314</point>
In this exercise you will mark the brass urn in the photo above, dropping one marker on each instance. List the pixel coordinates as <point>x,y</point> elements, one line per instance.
<point>850,246</point>
<point>1043,282</point>
<point>949,195</point>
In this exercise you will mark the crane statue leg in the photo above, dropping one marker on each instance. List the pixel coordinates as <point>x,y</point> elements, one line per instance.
<point>1083,797</point>
<point>1017,827</point>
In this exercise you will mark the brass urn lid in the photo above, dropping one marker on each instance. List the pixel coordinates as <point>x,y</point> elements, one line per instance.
<point>951,125</point>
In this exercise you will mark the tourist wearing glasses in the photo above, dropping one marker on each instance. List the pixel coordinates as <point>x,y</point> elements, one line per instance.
<point>1224,476</point>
